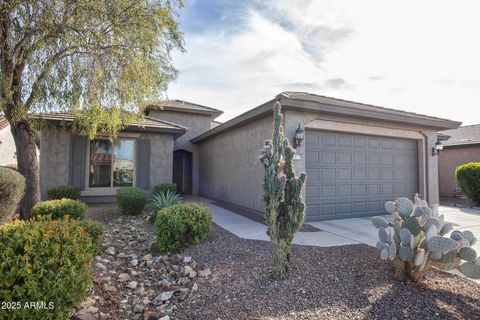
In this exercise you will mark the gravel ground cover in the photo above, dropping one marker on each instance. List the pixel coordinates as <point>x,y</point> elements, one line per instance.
<point>348,282</point>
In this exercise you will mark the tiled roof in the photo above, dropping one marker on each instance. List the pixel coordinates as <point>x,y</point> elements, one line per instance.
<point>184,106</point>
<point>3,122</point>
<point>298,95</point>
<point>463,135</point>
<point>148,123</point>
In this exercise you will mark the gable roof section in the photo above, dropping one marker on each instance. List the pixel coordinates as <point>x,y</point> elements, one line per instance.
<point>149,123</point>
<point>3,122</point>
<point>184,106</point>
<point>307,102</point>
<point>466,135</point>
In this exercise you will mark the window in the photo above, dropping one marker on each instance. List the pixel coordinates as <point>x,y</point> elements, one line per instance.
<point>111,164</point>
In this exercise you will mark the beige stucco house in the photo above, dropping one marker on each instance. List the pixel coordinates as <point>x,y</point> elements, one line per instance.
<point>8,154</point>
<point>356,156</point>
<point>462,146</point>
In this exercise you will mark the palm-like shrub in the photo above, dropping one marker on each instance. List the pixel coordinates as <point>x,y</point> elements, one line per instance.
<point>163,200</point>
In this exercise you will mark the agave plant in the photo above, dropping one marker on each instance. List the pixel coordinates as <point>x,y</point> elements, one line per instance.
<point>163,200</point>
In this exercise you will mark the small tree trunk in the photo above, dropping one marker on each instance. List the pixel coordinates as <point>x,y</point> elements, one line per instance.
<point>281,259</point>
<point>24,136</point>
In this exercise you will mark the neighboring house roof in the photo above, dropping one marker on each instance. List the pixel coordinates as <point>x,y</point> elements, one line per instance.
<point>463,136</point>
<point>307,102</point>
<point>149,123</point>
<point>184,106</point>
<point>3,122</point>
<point>214,124</point>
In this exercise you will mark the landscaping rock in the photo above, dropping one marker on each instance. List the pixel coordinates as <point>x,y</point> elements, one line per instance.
<point>133,283</point>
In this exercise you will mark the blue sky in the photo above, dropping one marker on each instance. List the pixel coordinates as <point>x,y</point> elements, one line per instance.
<point>410,55</point>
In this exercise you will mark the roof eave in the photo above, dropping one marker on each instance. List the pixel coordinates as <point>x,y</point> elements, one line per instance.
<point>213,113</point>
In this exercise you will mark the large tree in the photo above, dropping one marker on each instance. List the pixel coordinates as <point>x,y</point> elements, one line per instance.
<point>92,57</point>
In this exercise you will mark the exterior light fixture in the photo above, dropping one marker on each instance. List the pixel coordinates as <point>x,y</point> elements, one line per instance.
<point>298,138</point>
<point>437,147</point>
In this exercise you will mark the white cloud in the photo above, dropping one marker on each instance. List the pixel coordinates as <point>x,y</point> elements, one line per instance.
<point>420,56</point>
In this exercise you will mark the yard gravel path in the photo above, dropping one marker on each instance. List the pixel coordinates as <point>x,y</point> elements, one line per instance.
<point>347,282</point>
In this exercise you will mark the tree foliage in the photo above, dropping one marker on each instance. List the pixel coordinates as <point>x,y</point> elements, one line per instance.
<point>93,57</point>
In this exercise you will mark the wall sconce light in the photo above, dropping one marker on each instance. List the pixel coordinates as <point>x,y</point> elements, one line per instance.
<point>298,138</point>
<point>437,147</point>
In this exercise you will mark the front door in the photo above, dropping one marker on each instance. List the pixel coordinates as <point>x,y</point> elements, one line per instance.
<point>182,171</point>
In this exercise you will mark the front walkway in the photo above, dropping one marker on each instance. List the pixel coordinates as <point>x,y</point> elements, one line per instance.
<point>335,232</point>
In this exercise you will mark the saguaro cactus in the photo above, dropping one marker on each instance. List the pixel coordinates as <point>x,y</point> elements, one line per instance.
<point>285,208</point>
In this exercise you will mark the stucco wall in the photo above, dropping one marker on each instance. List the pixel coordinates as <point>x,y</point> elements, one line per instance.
<point>230,170</point>
<point>7,147</point>
<point>55,160</point>
<point>196,124</point>
<point>449,159</point>
<point>229,165</point>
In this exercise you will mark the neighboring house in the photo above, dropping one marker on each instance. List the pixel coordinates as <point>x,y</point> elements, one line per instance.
<point>8,155</point>
<point>356,156</point>
<point>462,147</point>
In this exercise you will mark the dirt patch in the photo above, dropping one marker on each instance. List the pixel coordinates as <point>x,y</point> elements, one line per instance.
<point>347,282</point>
<point>255,216</point>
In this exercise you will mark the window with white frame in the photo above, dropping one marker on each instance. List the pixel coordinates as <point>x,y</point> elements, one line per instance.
<point>111,164</point>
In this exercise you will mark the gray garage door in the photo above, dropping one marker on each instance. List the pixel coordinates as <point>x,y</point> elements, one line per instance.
<point>350,175</point>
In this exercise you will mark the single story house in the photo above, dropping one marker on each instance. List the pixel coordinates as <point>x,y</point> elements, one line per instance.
<point>356,156</point>
<point>8,153</point>
<point>462,147</point>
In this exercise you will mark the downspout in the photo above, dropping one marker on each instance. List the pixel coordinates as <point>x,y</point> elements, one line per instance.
<point>425,139</point>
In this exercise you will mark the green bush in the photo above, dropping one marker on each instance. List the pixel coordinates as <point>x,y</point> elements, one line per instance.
<point>75,209</point>
<point>12,185</point>
<point>163,200</point>
<point>95,230</point>
<point>131,200</point>
<point>468,176</point>
<point>47,261</point>
<point>164,187</point>
<point>67,192</point>
<point>181,225</point>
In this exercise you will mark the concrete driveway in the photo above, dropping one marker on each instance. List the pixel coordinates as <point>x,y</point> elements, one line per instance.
<point>362,230</point>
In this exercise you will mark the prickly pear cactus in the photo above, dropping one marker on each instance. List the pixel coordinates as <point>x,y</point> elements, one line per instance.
<point>417,239</point>
<point>285,208</point>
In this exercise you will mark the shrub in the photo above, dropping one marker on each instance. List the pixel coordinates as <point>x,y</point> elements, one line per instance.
<point>75,209</point>
<point>416,240</point>
<point>468,176</point>
<point>12,185</point>
<point>131,200</point>
<point>163,200</point>
<point>181,225</point>
<point>44,260</point>
<point>67,192</point>
<point>164,187</point>
<point>95,230</point>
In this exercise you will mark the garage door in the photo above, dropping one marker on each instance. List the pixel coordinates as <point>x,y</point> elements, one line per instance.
<point>350,175</point>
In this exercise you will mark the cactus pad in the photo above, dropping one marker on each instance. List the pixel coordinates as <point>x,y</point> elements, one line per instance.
<point>446,266</point>
<point>467,254</point>
<point>379,222</point>
<point>446,229</point>
<point>404,207</point>
<point>431,232</point>
<point>381,245</point>
<point>382,235</point>
<point>471,270</point>
<point>406,253</point>
<point>448,258</point>
<point>390,206</point>
<point>467,234</point>
<point>405,236</point>
<point>419,258</point>
<point>425,211</point>
<point>384,254</point>
<point>439,244</point>
<point>411,223</point>
<point>456,235</point>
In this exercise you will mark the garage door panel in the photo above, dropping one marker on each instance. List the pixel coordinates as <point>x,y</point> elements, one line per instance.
<point>354,175</point>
